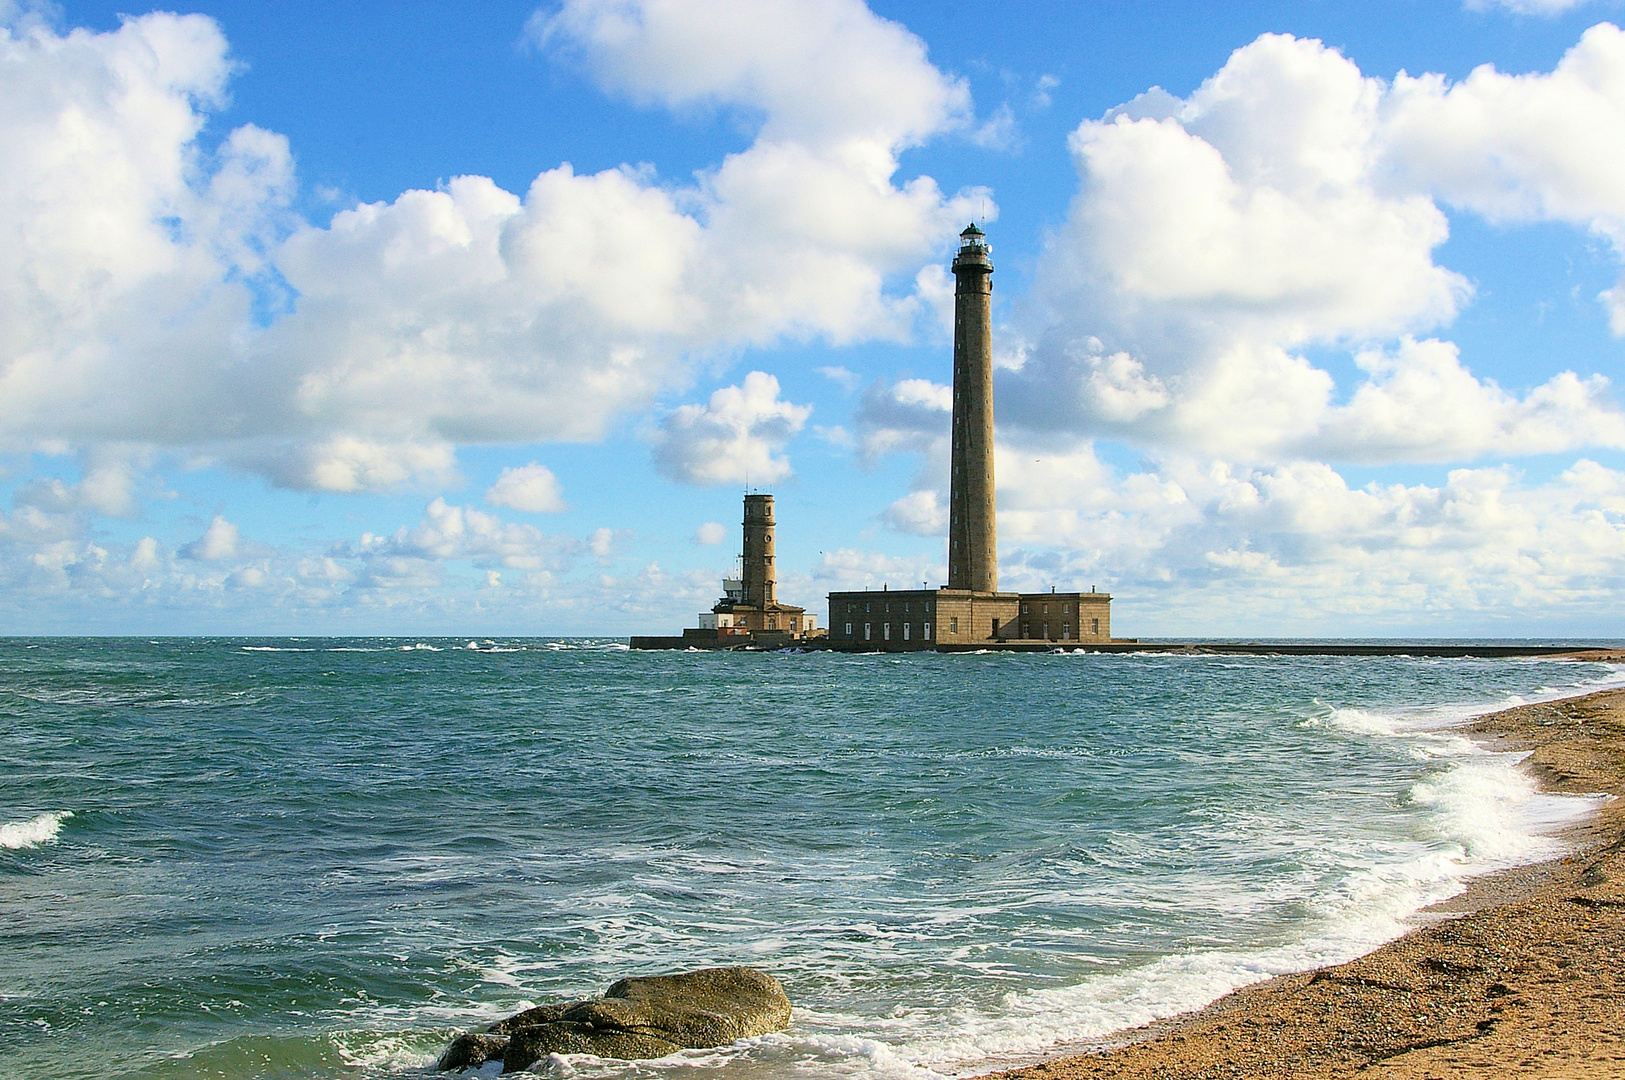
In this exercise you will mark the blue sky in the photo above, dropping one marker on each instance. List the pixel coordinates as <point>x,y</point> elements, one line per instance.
<point>385,319</point>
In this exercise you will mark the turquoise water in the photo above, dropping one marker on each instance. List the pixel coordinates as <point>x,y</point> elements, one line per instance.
<point>318,858</point>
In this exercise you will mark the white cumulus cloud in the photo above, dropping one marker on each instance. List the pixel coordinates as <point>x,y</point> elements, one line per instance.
<point>532,488</point>
<point>1397,413</point>
<point>1520,148</point>
<point>219,541</point>
<point>908,415</point>
<point>918,512</point>
<point>738,435</point>
<point>877,83</point>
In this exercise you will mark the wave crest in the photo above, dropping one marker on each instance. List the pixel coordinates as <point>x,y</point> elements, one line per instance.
<point>33,832</point>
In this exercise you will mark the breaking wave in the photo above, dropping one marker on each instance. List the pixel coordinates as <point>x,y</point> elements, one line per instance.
<point>35,831</point>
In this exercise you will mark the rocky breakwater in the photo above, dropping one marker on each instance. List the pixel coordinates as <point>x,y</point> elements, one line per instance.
<point>636,1018</point>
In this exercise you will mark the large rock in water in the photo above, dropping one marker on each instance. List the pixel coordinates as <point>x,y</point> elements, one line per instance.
<point>636,1018</point>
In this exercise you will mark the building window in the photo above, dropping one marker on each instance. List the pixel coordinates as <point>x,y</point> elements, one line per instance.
<point>867,629</point>
<point>848,629</point>
<point>1046,610</point>
<point>1026,609</point>
<point>1066,630</point>
<point>1046,631</point>
<point>953,625</point>
<point>1066,609</point>
<point>928,610</point>
<point>866,605</point>
<point>995,628</point>
<point>905,631</point>
<point>1094,626</point>
<point>927,634</point>
<point>885,631</point>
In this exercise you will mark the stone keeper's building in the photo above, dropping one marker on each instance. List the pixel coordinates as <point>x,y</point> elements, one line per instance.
<point>925,618</point>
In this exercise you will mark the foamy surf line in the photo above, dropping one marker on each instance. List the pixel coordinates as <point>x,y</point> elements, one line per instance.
<point>1485,812</point>
<point>1423,718</point>
<point>1560,811</point>
<point>17,835</point>
<point>1038,1025</point>
<point>1379,907</point>
<point>1491,816</point>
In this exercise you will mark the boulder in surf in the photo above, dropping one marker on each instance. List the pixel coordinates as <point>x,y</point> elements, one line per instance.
<point>471,1051</point>
<point>636,1018</point>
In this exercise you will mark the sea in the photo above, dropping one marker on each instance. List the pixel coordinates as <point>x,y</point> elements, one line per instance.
<point>321,858</point>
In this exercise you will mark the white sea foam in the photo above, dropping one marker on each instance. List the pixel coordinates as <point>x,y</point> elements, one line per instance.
<point>1496,813</point>
<point>388,1053</point>
<point>489,646</point>
<point>33,832</point>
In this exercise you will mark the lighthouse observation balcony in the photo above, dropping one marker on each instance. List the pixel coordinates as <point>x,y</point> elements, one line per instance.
<point>974,250</point>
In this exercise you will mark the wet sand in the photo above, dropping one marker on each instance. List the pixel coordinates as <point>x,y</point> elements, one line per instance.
<point>1522,975</point>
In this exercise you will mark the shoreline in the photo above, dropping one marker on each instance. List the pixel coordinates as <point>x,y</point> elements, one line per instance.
<point>1521,973</point>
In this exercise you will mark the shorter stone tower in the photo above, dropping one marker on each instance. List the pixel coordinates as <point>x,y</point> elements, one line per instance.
<point>761,582</point>
<point>749,615</point>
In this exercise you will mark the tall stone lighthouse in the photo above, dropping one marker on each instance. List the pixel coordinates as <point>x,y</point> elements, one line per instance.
<point>973,555</point>
<point>969,612</point>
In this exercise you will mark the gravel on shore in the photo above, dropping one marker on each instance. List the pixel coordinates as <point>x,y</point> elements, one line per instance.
<point>1522,975</point>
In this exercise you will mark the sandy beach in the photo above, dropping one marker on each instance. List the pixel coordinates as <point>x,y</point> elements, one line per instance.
<point>1523,974</point>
